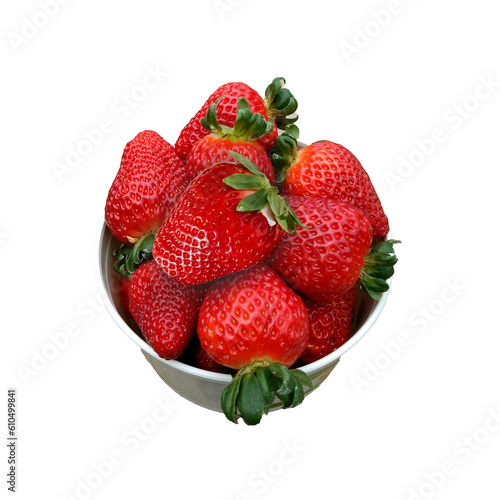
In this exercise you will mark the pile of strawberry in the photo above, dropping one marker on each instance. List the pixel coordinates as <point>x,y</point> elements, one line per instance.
<point>242,249</point>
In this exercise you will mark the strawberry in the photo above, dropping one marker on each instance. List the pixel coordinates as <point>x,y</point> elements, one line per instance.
<point>329,325</point>
<point>218,227</point>
<point>150,180</point>
<point>278,104</point>
<point>124,294</point>
<point>165,311</point>
<point>215,147</point>
<point>253,322</point>
<point>326,169</point>
<point>325,259</point>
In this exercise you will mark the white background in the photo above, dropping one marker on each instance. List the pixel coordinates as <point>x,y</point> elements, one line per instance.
<point>379,427</point>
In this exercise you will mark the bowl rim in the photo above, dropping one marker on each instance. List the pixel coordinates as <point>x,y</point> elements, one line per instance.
<point>309,368</point>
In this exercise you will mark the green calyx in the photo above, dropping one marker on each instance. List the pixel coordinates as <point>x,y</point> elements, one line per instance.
<point>247,127</point>
<point>129,258</point>
<point>284,152</point>
<point>378,268</point>
<point>265,199</point>
<point>281,104</point>
<point>255,387</point>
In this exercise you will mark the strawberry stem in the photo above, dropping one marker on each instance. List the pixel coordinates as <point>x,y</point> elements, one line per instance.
<point>281,104</point>
<point>247,127</point>
<point>128,258</point>
<point>265,198</point>
<point>378,267</point>
<point>256,386</point>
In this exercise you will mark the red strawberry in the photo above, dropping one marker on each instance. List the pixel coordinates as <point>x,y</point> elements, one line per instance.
<point>150,180</point>
<point>329,325</point>
<point>165,311</point>
<point>214,147</point>
<point>253,322</point>
<point>278,104</point>
<point>124,291</point>
<point>218,226</point>
<point>325,259</point>
<point>252,316</point>
<point>326,169</point>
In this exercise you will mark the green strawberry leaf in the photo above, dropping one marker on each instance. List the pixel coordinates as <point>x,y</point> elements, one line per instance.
<point>281,104</point>
<point>128,258</point>
<point>248,164</point>
<point>385,247</point>
<point>382,272</point>
<point>250,126</point>
<point>374,287</point>
<point>244,181</point>
<point>286,398</point>
<point>284,152</point>
<point>247,127</point>
<point>254,202</point>
<point>378,267</point>
<point>282,373</point>
<point>293,130</point>
<point>250,400</point>
<point>255,387</point>
<point>267,386</point>
<point>298,393</point>
<point>122,253</point>
<point>290,392</point>
<point>302,378</point>
<point>210,121</point>
<point>229,397</point>
<point>265,194</point>
<point>285,216</point>
<point>278,206</point>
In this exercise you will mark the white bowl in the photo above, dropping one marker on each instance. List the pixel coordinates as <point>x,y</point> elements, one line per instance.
<point>200,386</point>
